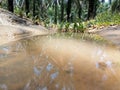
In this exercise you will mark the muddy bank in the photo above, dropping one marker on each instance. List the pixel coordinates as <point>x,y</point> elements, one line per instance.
<point>110,33</point>
<point>11,33</point>
<point>8,18</point>
<point>13,27</point>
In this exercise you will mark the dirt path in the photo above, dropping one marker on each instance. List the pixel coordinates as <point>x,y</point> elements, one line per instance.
<point>111,33</point>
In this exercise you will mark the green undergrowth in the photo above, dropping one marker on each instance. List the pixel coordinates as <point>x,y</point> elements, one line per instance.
<point>105,19</point>
<point>108,18</point>
<point>72,27</point>
<point>82,36</point>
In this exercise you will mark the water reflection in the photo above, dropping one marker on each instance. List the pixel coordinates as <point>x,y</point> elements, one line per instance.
<point>3,86</point>
<point>46,63</point>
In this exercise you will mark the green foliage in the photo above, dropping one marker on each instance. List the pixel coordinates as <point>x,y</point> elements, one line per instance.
<point>67,26</point>
<point>82,36</point>
<point>103,7</point>
<point>44,11</point>
<point>72,27</point>
<point>79,27</point>
<point>3,4</point>
<point>19,11</point>
<point>107,18</point>
<point>116,6</point>
<point>90,23</point>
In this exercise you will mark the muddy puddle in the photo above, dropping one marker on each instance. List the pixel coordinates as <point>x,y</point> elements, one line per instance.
<point>49,63</point>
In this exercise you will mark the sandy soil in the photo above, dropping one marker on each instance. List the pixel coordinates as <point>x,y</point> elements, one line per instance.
<point>111,33</point>
<point>13,27</point>
<point>12,33</point>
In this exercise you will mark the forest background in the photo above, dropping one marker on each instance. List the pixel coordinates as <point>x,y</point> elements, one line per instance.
<point>67,15</point>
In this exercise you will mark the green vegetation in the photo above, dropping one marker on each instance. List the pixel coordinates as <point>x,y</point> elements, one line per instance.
<point>72,27</point>
<point>67,16</point>
<point>116,6</point>
<point>84,37</point>
<point>107,18</point>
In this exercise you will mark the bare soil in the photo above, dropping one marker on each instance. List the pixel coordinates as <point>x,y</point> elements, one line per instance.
<point>111,33</point>
<point>13,27</point>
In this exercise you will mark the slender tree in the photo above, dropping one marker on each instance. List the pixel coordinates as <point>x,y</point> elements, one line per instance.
<point>55,2</point>
<point>93,4</point>
<point>69,3</point>
<point>96,5</point>
<point>62,10</point>
<point>91,9</point>
<point>27,7</point>
<point>10,5</point>
<point>80,12</point>
<point>78,3</point>
<point>34,14</point>
<point>41,8</point>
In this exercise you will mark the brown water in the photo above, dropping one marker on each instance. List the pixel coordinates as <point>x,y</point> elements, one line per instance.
<point>48,63</point>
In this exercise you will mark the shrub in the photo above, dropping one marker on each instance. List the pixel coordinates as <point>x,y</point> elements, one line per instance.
<point>107,18</point>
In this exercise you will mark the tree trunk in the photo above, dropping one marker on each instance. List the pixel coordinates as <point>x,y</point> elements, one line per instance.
<point>91,12</point>
<point>62,10</point>
<point>34,8</point>
<point>41,8</point>
<point>80,9</point>
<point>55,20</point>
<point>10,5</point>
<point>27,7</point>
<point>69,9</point>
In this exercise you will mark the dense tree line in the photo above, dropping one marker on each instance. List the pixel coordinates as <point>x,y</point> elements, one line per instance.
<point>59,10</point>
